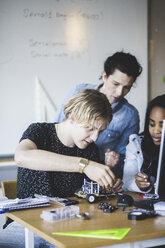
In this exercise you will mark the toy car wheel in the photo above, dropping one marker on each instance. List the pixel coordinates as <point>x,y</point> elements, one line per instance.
<point>100,206</point>
<point>91,198</point>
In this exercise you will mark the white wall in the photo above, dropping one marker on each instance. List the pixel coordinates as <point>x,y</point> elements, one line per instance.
<point>64,42</point>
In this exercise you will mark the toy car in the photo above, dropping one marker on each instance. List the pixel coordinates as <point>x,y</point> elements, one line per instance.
<point>106,207</point>
<point>103,205</point>
<point>109,209</point>
<point>92,192</point>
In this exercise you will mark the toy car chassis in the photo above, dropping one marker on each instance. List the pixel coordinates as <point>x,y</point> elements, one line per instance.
<point>92,192</point>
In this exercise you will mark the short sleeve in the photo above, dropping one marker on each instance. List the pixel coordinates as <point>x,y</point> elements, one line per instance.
<point>36,133</point>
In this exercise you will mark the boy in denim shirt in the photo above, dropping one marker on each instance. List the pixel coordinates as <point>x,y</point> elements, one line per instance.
<point>120,72</point>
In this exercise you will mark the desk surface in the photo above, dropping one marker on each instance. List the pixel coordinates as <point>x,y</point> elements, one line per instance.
<point>140,230</point>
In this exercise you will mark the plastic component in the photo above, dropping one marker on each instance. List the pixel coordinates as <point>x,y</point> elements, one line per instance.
<point>58,214</point>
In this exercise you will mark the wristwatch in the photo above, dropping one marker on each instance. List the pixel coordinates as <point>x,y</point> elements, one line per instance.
<point>82,164</point>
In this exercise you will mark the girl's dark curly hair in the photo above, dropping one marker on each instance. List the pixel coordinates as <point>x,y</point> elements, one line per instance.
<point>149,149</point>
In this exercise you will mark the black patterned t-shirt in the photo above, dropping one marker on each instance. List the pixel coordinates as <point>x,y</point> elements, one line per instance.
<point>51,183</point>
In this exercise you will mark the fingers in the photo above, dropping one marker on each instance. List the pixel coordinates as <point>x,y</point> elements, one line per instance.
<point>107,180</point>
<point>142,180</point>
<point>100,173</point>
<point>111,158</point>
<point>117,187</point>
<point>143,185</point>
<point>142,175</point>
<point>103,182</point>
<point>110,153</point>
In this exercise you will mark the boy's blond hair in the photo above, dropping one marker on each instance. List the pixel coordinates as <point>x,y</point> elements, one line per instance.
<point>87,106</point>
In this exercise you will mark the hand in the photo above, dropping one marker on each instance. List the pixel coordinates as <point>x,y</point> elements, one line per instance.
<point>142,181</point>
<point>111,158</point>
<point>117,187</point>
<point>100,173</point>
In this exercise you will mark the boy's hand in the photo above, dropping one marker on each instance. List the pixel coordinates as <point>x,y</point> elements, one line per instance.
<point>100,173</point>
<point>117,187</point>
<point>111,158</point>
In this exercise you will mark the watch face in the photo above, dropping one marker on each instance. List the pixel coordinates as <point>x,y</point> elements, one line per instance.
<point>82,164</point>
<point>84,161</point>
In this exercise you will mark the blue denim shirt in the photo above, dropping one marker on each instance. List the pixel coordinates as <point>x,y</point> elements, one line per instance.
<point>125,122</point>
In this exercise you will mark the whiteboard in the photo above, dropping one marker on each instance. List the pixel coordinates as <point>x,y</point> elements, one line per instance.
<point>63,42</point>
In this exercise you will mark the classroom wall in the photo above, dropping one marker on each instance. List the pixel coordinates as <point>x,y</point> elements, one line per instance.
<point>156,48</point>
<point>63,43</point>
